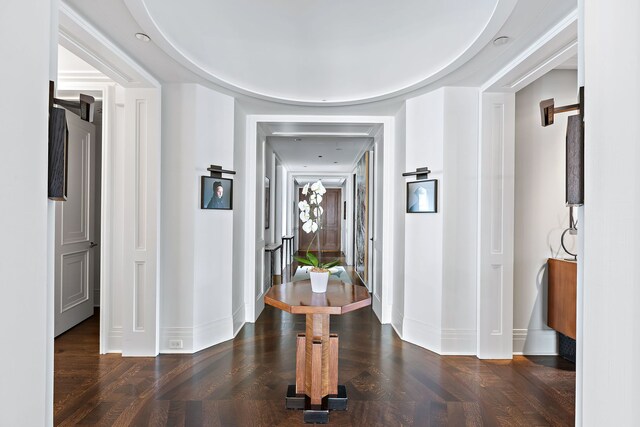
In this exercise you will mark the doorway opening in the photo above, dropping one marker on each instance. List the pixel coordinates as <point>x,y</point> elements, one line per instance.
<point>302,150</point>
<point>78,219</point>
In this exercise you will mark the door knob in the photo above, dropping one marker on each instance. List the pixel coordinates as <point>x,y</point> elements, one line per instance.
<point>92,245</point>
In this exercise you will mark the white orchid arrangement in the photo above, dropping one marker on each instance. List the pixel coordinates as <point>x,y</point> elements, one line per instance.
<point>311,216</point>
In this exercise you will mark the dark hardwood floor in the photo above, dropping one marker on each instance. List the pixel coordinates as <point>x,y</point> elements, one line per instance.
<point>242,382</point>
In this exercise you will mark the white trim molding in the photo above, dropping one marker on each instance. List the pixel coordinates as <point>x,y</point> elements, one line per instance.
<point>423,335</point>
<point>535,342</point>
<point>459,342</point>
<point>239,317</point>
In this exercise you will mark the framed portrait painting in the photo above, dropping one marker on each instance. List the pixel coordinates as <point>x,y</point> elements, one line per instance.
<point>216,193</point>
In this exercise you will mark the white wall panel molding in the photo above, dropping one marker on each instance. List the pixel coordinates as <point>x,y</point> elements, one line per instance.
<point>75,215</point>
<point>496,220</point>
<point>535,342</point>
<point>77,264</point>
<point>139,285</point>
<point>141,142</point>
<point>141,222</point>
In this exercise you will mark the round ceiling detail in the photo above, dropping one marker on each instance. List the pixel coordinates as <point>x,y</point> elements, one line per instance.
<point>321,51</point>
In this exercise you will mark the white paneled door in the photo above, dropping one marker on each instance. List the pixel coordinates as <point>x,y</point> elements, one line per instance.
<point>75,230</point>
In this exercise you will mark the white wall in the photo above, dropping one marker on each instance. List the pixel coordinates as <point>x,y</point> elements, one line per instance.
<point>197,250</point>
<point>540,212</point>
<point>611,337</point>
<point>239,207</point>
<point>397,311</point>
<point>26,397</point>
<point>423,232</point>
<point>440,248</point>
<point>459,197</point>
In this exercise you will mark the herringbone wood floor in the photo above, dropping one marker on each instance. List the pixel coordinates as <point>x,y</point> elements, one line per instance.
<point>242,382</point>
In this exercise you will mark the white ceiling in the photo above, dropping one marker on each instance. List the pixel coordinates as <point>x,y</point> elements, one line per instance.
<point>569,64</point>
<point>344,52</point>
<point>300,145</point>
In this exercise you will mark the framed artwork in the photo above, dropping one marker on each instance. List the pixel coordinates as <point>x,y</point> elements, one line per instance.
<point>361,217</point>
<point>267,200</point>
<point>216,193</point>
<point>422,196</point>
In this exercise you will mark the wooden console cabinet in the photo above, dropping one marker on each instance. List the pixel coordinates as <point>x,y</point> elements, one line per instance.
<point>563,279</point>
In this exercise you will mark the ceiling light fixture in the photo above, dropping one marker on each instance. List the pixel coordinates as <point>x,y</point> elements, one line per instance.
<point>319,156</point>
<point>500,41</point>
<point>143,37</point>
<point>297,139</point>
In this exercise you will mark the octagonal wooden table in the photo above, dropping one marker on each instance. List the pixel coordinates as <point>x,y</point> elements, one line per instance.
<point>316,389</point>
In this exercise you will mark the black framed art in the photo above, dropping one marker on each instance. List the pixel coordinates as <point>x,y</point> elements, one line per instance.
<point>422,196</point>
<point>216,193</point>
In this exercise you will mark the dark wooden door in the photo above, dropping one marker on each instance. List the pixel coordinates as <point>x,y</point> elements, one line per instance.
<point>330,235</point>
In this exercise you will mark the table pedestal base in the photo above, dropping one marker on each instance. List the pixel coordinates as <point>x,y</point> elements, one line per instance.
<point>316,413</point>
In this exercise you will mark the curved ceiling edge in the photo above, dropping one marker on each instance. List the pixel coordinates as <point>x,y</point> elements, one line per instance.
<point>142,16</point>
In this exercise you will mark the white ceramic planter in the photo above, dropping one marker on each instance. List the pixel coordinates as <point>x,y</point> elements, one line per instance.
<point>319,281</point>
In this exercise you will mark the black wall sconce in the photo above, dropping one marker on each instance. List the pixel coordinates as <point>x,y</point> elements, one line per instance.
<point>217,171</point>
<point>575,145</point>
<point>420,173</point>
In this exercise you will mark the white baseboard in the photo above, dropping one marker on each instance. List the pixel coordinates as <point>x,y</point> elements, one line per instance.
<point>211,333</point>
<point>421,334</point>
<point>114,340</point>
<point>535,342</point>
<point>259,305</point>
<point>377,306</point>
<point>196,338</point>
<point>238,319</point>
<point>185,334</point>
<point>397,320</point>
<point>459,342</point>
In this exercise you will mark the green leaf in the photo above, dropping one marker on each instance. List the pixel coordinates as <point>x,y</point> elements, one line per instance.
<point>331,264</point>
<point>303,261</point>
<point>313,259</point>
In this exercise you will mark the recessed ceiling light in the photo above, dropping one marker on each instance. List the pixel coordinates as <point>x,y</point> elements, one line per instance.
<point>143,37</point>
<point>338,149</point>
<point>502,40</point>
<point>297,139</point>
<point>304,166</point>
<point>335,162</point>
<point>319,156</point>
